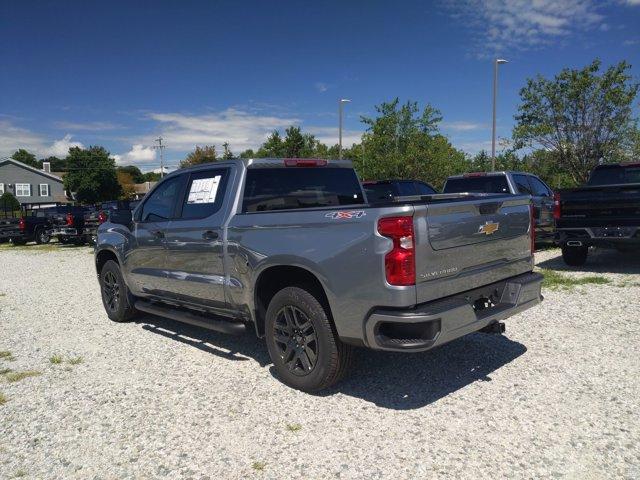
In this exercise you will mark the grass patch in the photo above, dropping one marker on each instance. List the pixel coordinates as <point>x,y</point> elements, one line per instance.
<point>6,355</point>
<point>20,474</point>
<point>259,466</point>
<point>555,280</point>
<point>55,359</point>
<point>4,371</point>
<point>3,398</point>
<point>76,360</point>
<point>294,427</point>
<point>17,376</point>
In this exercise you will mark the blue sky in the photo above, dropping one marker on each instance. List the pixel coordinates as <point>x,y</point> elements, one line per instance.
<point>119,74</point>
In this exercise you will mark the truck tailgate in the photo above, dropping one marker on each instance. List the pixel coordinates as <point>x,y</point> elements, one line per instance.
<point>467,244</point>
<point>595,206</point>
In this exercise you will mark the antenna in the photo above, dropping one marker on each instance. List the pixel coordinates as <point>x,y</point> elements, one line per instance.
<point>161,147</point>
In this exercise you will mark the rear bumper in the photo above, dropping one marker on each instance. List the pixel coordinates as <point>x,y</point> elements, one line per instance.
<point>434,323</point>
<point>63,232</point>
<point>606,237</point>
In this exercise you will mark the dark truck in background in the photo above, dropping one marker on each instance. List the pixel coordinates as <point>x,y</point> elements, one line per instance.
<point>68,224</point>
<point>513,183</point>
<point>95,217</point>
<point>603,213</point>
<point>28,225</point>
<point>381,191</point>
<point>293,249</point>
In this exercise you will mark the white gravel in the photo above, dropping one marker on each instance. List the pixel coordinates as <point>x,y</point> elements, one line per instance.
<point>557,396</point>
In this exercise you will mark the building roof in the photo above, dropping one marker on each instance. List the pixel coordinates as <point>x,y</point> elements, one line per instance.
<point>27,167</point>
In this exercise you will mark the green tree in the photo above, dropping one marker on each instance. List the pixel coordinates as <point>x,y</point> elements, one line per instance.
<point>133,171</point>
<point>583,116</point>
<point>57,164</point>
<point>403,142</point>
<point>8,203</point>
<point>272,147</point>
<point>227,154</point>
<point>150,177</point>
<point>206,154</point>
<point>25,157</point>
<point>92,175</point>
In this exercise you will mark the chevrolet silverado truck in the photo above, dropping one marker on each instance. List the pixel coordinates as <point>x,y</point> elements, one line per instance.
<point>515,183</point>
<point>291,249</point>
<point>604,213</point>
<point>68,224</point>
<point>29,226</point>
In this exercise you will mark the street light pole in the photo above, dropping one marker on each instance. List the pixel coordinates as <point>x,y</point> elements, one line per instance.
<point>340,109</point>
<point>496,62</point>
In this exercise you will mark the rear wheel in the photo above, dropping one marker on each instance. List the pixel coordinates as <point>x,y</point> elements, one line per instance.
<point>306,352</point>
<point>574,256</point>
<point>116,297</point>
<point>42,236</point>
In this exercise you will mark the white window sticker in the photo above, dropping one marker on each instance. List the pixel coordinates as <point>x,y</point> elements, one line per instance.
<point>204,190</point>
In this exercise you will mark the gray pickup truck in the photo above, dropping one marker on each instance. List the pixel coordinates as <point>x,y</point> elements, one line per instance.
<point>291,249</point>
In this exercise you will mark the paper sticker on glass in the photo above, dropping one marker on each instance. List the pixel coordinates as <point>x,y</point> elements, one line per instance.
<point>204,190</point>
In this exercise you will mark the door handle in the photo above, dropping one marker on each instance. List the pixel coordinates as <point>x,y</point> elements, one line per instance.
<point>158,234</point>
<point>210,235</point>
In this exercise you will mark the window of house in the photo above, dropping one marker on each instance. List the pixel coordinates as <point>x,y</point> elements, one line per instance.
<point>1,188</point>
<point>23,190</point>
<point>44,189</point>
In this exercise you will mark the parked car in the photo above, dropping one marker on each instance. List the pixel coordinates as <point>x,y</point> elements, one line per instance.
<point>604,213</point>
<point>93,218</point>
<point>29,226</point>
<point>291,249</point>
<point>384,190</point>
<point>514,183</point>
<point>68,224</point>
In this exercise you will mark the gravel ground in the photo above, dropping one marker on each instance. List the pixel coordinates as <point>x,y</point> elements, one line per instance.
<point>557,396</point>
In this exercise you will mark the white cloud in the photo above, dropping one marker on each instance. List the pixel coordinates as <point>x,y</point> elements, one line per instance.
<point>12,138</point>
<point>60,148</point>
<point>321,87</point>
<point>630,42</point>
<point>182,132</point>
<point>86,126</point>
<point>137,155</point>
<point>632,2</point>
<point>462,126</point>
<point>524,24</point>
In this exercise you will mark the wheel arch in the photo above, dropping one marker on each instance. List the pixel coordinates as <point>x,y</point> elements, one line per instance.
<point>276,277</point>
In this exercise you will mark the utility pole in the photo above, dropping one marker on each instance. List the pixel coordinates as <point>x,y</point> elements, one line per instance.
<point>340,103</point>
<point>496,62</point>
<point>160,147</point>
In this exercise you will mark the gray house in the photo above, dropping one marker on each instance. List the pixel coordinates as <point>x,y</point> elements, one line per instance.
<point>29,185</point>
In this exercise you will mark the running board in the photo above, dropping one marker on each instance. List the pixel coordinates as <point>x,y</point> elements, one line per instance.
<point>224,326</point>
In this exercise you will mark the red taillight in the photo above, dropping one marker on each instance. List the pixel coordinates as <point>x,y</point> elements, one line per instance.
<point>532,227</point>
<point>557,206</point>
<point>102,217</point>
<point>22,225</point>
<point>304,162</point>
<point>399,263</point>
<point>69,219</point>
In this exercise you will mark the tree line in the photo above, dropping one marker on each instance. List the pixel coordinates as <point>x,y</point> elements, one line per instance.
<point>564,126</point>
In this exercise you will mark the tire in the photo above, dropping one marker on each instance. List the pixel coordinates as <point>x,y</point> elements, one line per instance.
<point>574,256</point>
<point>42,236</point>
<point>116,297</point>
<point>306,351</point>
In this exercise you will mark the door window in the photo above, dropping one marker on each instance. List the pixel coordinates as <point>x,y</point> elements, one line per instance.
<point>204,194</point>
<point>522,184</point>
<point>539,188</point>
<point>161,203</point>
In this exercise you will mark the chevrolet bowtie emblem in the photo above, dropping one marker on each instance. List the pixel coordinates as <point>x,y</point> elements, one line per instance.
<point>489,228</point>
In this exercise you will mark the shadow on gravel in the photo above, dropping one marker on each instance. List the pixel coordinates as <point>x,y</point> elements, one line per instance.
<point>400,381</point>
<point>231,347</point>
<point>404,381</point>
<point>599,261</point>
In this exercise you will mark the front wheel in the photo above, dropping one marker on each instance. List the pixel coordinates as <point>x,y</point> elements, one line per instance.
<point>116,297</point>
<point>574,256</point>
<point>306,352</point>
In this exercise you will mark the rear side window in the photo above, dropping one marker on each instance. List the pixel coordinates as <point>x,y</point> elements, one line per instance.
<point>406,189</point>
<point>424,189</point>
<point>539,188</point>
<point>161,203</point>
<point>268,189</point>
<point>380,192</point>
<point>483,184</point>
<point>522,182</point>
<point>204,194</point>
